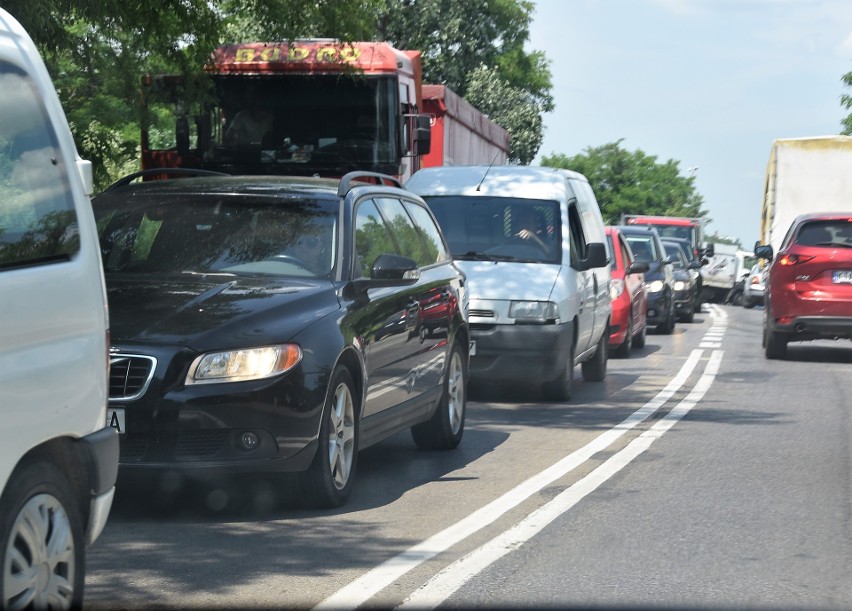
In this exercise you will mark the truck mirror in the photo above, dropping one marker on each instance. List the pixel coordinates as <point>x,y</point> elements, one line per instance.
<point>422,134</point>
<point>709,250</point>
<point>182,134</point>
<point>763,252</point>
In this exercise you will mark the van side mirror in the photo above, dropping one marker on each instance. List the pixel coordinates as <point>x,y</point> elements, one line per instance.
<point>595,257</point>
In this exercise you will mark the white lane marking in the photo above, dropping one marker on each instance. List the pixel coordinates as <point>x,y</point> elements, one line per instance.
<point>368,585</point>
<point>447,581</point>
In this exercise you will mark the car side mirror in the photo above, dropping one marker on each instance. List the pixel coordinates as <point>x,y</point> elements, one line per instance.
<point>396,269</point>
<point>763,252</point>
<point>638,267</point>
<point>695,264</point>
<point>709,250</point>
<point>704,262</point>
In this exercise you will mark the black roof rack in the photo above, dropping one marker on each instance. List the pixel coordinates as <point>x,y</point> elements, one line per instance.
<point>126,180</point>
<point>368,177</point>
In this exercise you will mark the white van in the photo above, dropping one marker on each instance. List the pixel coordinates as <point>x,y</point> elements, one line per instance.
<point>531,241</point>
<point>58,459</point>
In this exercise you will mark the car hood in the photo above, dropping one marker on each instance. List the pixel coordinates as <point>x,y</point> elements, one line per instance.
<point>509,280</point>
<point>203,311</point>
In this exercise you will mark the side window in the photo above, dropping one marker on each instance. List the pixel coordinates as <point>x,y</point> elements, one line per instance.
<point>372,238</point>
<point>38,223</point>
<point>407,236</point>
<point>589,211</point>
<point>436,248</point>
<point>577,237</point>
<point>626,255</point>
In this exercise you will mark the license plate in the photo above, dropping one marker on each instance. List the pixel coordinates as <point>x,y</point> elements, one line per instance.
<point>842,277</point>
<point>115,419</point>
<point>472,350</point>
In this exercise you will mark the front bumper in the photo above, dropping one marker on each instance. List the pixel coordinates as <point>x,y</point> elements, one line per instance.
<point>101,449</point>
<point>524,353</point>
<point>658,308</point>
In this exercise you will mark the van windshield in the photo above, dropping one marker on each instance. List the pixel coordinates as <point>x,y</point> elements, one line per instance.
<point>500,228</point>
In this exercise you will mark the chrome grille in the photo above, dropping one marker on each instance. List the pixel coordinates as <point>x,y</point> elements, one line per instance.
<point>129,376</point>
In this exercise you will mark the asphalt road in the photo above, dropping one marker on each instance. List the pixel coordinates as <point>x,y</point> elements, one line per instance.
<point>698,474</point>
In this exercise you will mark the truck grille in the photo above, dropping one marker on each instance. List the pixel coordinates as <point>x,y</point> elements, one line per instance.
<point>129,376</point>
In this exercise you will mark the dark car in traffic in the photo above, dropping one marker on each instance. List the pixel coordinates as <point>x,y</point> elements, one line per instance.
<point>685,272</point>
<point>646,245</point>
<point>808,293</point>
<point>273,324</point>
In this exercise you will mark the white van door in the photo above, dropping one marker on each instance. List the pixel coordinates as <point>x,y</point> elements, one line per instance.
<point>586,289</point>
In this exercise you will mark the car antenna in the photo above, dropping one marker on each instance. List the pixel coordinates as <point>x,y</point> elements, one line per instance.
<point>488,170</point>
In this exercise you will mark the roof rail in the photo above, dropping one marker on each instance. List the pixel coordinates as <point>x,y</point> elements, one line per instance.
<point>161,172</point>
<point>377,179</point>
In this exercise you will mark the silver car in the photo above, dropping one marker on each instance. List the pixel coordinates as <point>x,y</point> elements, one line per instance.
<point>753,287</point>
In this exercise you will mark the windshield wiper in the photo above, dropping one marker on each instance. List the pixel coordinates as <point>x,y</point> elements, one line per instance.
<point>191,273</point>
<point>473,255</point>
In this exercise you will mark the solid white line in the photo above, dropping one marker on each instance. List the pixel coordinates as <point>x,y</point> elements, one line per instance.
<point>365,587</point>
<point>447,581</point>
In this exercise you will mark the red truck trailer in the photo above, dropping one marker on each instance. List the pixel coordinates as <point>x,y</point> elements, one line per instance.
<point>461,134</point>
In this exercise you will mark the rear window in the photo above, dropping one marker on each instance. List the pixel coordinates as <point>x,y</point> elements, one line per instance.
<point>38,223</point>
<point>829,234</point>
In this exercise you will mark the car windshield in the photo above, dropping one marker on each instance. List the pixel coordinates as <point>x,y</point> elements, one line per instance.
<point>642,247</point>
<point>500,228</point>
<point>676,253</point>
<point>201,233</point>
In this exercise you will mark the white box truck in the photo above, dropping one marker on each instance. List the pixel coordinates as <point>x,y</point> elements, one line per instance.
<point>58,457</point>
<point>804,175</point>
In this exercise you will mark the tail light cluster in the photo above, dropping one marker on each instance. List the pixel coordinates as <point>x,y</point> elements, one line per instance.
<point>791,259</point>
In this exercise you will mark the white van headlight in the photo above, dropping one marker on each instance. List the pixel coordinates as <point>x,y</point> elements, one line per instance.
<point>533,311</point>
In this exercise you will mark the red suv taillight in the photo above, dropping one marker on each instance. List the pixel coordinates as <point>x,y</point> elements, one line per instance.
<point>790,259</point>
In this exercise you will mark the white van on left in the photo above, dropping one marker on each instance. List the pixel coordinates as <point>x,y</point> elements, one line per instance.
<point>58,458</point>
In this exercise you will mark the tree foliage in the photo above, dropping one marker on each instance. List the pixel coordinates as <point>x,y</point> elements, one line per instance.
<point>476,48</point>
<point>628,182</point>
<point>846,102</point>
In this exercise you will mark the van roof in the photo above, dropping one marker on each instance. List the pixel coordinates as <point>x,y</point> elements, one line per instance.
<point>529,182</point>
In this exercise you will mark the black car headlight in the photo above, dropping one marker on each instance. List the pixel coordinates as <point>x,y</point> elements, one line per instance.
<point>244,364</point>
<point>654,286</point>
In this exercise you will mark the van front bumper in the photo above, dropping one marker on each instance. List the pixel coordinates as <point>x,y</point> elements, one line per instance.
<point>523,353</point>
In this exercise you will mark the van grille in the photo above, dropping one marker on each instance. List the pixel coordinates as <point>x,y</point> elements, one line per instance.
<point>129,376</point>
<point>482,313</point>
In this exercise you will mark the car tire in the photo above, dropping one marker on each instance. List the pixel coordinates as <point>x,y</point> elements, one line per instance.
<point>41,538</point>
<point>444,430</point>
<point>668,326</point>
<point>622,351</point>
<point>561,388</point>
<point>748,304</point>
<point>594,370</point>
<point>639,338</point>
<point>775,344</point>
<point>328,480</point>
<point>688,315</point>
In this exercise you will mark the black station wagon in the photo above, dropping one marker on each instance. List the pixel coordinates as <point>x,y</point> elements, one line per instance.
<point>279,324</point>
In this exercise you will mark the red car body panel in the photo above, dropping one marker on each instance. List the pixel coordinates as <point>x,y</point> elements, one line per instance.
<point>632,299</point>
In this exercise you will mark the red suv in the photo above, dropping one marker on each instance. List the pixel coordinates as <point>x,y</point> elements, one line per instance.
<point>809,288</point>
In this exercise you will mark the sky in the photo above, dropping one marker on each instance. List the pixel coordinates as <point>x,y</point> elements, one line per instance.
<point>707,83</point>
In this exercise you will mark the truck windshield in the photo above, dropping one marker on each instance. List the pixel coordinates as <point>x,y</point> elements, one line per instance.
<point>284,123</point>
<point>684,232</point>
<point>500,228</point>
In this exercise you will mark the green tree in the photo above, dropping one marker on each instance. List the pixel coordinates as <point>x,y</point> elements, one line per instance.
<point>476,48</point>
<point>632,182</point>
<point>846,102</point>
<point>97,52</point>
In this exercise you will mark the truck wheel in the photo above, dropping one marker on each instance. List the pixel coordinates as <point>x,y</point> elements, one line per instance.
<point>594,370</point>
<point>444,430</point>
<point>328,480</point>
<point>561,388</point>
<point>41,536</point>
